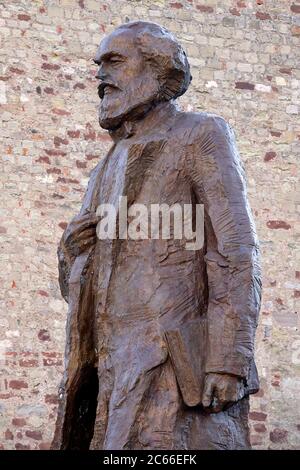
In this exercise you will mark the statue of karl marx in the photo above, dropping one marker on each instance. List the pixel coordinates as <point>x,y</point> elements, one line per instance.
<point>160,338</point>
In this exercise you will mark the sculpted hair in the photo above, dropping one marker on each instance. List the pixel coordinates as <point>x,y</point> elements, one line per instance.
<point>162,51</point>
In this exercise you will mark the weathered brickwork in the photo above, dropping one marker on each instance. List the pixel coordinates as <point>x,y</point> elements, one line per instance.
<point>245,66</point>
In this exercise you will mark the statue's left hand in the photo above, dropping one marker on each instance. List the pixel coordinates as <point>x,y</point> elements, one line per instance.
<point>221,391</point>
<point>80,234</point>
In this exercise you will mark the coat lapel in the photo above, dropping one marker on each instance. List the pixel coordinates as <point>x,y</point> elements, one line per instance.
<point>141,156</point>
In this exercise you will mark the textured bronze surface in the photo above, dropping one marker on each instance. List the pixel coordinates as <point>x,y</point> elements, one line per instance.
<point>160,339</point>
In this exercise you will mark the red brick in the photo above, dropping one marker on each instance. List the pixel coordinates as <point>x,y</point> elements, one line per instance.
<point>28,363</point>
<point>59,140</point>
<point>244,86</point>
<point>60,112</point>
<point>91,156</point>
<point>44,445</point>
<point>73,134</point>
<point>43,160</point>
<point>55,153</point>
<point>295,8</point>
<point>275,133</point>
<point>5,396</point>
<point>67,180</point>
<point>55,171</point>
<point>19,446</point>
<point>286,70</point>
<point>296,294</point>
<point>16,70</point>
<point>260,427</point>
<point>18,384</point>
<point>176,5</point>
<point>269,156</point>
<point>257,416</point>
<point>8,435</point>
<point>297,274</point>
<point>278,435</point>
<point>36,435</point>
<point>51,358</point>
<point>44,335</point>
<point>23,17</point>
<point>51,399</point>
<point>80,164</point>
<point>262,16</point>
<point>80,86</point>
<point>43,293</point>
<point>49,90</point>
<point>52,362</point>
<point>51,354</point>
<point>63,225</point>
<point>278,224</point>
<point>205,8</point>
<point>47,66</point>
<point>19,422</point>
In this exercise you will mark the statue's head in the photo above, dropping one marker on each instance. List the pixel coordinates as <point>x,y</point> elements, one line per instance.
<point>140,64</point>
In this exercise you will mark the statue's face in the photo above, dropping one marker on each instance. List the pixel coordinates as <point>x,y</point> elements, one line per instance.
<point>126,81</point>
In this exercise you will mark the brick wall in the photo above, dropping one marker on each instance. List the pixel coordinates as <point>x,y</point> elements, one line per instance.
<point>244,57</point>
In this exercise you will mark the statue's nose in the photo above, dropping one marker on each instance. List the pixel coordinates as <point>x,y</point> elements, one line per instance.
<point>101,75</point>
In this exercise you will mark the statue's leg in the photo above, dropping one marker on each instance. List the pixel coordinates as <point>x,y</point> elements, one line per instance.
<point>226,430</point>
<point>151,415</point>
<point>165,422</point>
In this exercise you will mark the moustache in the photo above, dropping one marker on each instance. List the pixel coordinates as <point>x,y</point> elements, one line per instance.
<point>103,85</point>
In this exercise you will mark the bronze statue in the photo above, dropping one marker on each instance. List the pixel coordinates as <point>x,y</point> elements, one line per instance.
<point>160,339</point>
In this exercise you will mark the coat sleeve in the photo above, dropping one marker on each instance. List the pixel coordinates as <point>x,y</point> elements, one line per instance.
<point>232,252</point>
<point>65,258</point>
<point>77,395</point>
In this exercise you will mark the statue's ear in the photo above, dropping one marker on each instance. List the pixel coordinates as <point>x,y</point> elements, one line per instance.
<point>168,59</point>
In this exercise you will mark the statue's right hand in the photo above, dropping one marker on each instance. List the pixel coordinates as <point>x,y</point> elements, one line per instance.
<point>80,234</point>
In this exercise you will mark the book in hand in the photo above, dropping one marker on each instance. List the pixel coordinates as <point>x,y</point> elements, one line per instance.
<point>186,345</point>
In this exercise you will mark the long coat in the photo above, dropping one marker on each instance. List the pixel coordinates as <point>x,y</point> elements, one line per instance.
<point>146,316</point>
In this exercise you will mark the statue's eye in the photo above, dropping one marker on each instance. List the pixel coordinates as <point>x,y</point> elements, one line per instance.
<point>115,60</point>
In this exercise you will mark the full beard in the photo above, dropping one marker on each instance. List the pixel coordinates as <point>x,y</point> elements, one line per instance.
<point>118,106</point>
